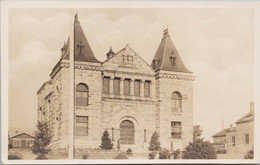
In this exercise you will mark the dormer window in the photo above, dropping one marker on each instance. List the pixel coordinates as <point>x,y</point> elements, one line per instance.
<point>173,58</point>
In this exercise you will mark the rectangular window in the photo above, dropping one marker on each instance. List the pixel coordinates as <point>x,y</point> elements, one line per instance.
<point>247,138</point>
<point>106,85</point>
<point>147,88</point>
<point>176,130</point>
<point>137,87</point>
<point>127,87</point>
<point>17,142</point>
<point>124,57</point>
<point>81,125</point>
<point>116,86</point>
<point>233,140</point>
<point>144,135</point>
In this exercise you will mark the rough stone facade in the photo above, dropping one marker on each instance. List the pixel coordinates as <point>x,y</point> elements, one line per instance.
<point>125,95</point>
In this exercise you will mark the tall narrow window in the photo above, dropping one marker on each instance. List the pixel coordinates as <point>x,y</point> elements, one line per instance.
<point>247,138</point>
<point>176,130</point>
<point>116,86</point>
<point>81,125</point>
<point>106,85</point>
<point>137,87</point>
<point>233,140</point>
<point>147,88</point>
<point>176,102</point>
<point>127,87</point>
<point>144,135</point>
<point>82,95</point>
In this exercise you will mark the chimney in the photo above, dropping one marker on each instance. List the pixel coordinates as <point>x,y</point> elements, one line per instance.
<point>231,127</point>
<point>252,106</point>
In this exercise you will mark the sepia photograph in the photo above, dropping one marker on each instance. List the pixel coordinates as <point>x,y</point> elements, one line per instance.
<point>129,82</point>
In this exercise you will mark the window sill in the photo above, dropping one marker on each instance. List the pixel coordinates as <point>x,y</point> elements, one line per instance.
<point>177,113</point>
<point>81,134</point>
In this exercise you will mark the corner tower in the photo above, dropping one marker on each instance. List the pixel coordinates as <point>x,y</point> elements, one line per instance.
<point>174,91</point>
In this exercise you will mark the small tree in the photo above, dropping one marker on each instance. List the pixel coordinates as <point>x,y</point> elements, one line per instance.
<point>42,139</point>
<point>106,142</point>
<point>199,149</point>
<point>197,131</point>
<point>155,145</point>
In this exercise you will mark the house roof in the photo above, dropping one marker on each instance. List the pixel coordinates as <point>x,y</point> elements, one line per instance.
<point>247,118</point>
<point>20,135</point>
<point>223,132</point>
<point>167,57</point>
<point>82,49</point>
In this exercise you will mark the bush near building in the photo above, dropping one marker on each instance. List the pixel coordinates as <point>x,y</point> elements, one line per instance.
<point>249,154</point>
<point>106,142</point>
<point>164,154</point>
<point>199,149</point>
<point>155,144</point>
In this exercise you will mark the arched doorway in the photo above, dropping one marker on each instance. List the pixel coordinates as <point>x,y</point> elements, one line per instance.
<point>127,132</point>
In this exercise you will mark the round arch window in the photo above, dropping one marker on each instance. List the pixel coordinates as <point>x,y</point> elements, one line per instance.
<point>127,132</point>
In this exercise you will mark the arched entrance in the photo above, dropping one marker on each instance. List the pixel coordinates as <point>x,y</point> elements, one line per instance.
<point>127,132</point>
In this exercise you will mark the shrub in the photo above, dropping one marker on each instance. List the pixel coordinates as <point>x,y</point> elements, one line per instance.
<point>106,142</point>
<point>199,149</point>
<point>249,154</point>
<point>155,145</point>
<point>152,154</point>
<point>41,157</point>
<point>121,155</point>
<point>85,156</point>
<point>176,154</point>
<point>164,154</point>
<point>129,152</point>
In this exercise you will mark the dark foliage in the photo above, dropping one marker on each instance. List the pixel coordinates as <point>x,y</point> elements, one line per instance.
<point>199,149</point>
<point>155,144</point>
<point>176,154</point>
<point>249,154</point>
<point>164,154</point>
<point>106,142</point>
<point>42,139</point>
<point>129,152</point>
<point>121,155</point>
<point>85,156</point>
<point>152,154</point>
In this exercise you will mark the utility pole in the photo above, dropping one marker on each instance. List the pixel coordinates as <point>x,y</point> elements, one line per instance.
<point>71,88</point>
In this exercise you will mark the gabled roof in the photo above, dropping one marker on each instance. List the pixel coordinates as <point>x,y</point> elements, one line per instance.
<point>21,134</point>
<point>167,57</point>
<point>221,133</point>
<point>247,118</point>
<point>224,131</point>
<point>82,50</point>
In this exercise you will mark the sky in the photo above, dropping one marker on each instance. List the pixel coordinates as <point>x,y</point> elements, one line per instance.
<point>216,44</point>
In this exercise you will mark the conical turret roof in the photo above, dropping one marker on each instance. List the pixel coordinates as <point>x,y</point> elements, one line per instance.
<point>167,57</point>
<point>82,49</point>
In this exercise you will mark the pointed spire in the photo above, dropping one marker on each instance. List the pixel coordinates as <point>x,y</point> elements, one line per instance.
<point>167,56</point>
<point>82,48</point>
<point>110,53</point>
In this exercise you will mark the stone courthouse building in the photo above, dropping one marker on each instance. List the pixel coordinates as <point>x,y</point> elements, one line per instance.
<point>124,95</point>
